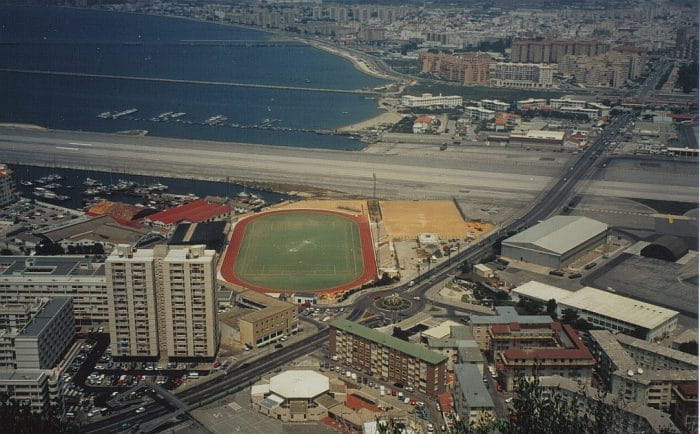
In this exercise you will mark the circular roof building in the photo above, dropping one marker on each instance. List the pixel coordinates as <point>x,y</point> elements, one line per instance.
<point>666,248</point>
<point>299,384</point>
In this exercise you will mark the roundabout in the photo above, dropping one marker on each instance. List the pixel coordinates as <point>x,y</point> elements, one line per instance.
<point>393,303</point>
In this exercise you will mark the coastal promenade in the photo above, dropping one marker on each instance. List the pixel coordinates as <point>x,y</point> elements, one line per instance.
<point>180,81</point>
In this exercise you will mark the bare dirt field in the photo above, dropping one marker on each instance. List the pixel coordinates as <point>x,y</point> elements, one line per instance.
<point>405,219</point>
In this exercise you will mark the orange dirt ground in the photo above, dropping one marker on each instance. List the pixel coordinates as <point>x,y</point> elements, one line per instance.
<point>405,219</point>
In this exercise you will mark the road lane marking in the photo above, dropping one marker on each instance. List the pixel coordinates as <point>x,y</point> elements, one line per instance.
<point>80,144</point>
<point>67,148</point>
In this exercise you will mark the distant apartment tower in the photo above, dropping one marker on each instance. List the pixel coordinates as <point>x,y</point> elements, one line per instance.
<point>547,51</point>
<point>465,68</point>
<point>161,302</point>
<point>7,191</point>
<point>521,75</point>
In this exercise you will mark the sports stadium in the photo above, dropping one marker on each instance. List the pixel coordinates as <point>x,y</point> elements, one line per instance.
<point>300,250</point>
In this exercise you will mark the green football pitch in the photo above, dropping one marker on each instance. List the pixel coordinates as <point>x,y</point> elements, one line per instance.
<point>300,251</point>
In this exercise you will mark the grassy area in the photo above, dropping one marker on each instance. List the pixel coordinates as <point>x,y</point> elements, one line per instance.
<point>481,92</point>
<point>300,251</point>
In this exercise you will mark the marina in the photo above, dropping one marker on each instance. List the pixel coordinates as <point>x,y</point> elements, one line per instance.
<point>219,120</point>
<point>80,189</point>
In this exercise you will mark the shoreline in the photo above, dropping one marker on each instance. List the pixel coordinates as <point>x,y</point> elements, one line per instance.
<point>359,63</point>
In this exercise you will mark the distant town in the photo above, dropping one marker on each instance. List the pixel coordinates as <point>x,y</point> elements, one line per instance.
<point>514,249</point>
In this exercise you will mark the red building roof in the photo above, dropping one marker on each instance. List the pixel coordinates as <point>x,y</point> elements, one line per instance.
<point>445,400</point>
<point>194,212</point>
<point>576,351</point>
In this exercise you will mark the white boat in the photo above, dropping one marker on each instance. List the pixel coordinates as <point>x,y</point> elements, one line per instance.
<point>26,183</point>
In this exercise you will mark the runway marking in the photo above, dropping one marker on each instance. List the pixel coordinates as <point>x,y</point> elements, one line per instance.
<point>80,144</point>
<point>67,148</point>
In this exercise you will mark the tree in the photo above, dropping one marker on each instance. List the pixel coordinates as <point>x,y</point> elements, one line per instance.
<point>689,347</point>
<point>6,252</point>
<point>569,316</point>
<point>17,417</point>
<point>527,306</point>
<point>552,308</point>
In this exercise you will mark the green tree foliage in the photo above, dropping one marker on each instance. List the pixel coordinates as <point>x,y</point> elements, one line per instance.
<point>16,417</point>
<point>526,306</point>
<point>569,316</point>
<point>552,308</point>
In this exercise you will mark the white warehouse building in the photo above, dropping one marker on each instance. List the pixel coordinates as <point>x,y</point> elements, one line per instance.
<point>605,309</point>
<point>555,241</point>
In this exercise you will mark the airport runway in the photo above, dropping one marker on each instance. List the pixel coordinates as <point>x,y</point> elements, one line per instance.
<point>474,173</point>
<point>349,172</point>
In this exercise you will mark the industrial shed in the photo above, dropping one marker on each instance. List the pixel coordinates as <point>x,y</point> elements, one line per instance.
<point>555,241</point>
<point>666,248</point>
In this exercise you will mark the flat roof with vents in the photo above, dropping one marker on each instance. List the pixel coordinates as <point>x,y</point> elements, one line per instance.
<point>600,302</point>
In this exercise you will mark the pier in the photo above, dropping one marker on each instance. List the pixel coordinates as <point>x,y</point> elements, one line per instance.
<point>182,81</point>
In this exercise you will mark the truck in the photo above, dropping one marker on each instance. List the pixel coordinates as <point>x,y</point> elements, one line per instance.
<point>381,390</point>
<point>354,376</point>
<point>348,374</point>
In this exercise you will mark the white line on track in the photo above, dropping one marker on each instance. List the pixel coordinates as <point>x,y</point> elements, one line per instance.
<point>80,144</point>
<point>67,148</point>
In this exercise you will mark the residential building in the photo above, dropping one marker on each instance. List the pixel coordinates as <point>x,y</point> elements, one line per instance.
<point>631,418</point>
<point>521,75</point>
<point>162,302</point>
<point>7,187</point>
<point>646,377</point>
<point>537,137</point>
<point>481,324</point>
<point>684,410</point>
<point>25,278</point>
<point>557,350</point>
<point>479,113</point>
<point>611,69</point>
<point>472,400</point>
<point>557,240</point>
<point>270,321</point>
<point>494,104</point>
<point>531,104</point>
<point>465,68</point>
<point>42,343</point>
<point>387,357</point>
<point>605,309</point>
<point>189,285</point>
<point>428,100</point>
<point>549,51</point>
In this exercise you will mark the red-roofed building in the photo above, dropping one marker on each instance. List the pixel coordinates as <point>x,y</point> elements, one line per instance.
<point>193,212</point>
<point>122,213</point>
<point>445,400</point>
<point>555,349</point>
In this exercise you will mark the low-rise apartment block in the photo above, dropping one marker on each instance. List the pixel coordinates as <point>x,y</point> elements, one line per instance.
<point>25,278</point>
<point>557,350</point>
<point>428,100</point>
<point>481,324</point>
<point>521,75</point>
<point>387,357</point>
<point>270,321</point>
<point>636,373</point>
<point>472,400</point>
<point>632,417</point>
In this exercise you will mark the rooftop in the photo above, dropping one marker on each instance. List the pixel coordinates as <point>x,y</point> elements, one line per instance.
<point>508,314</point>
<point>471,385</point>
<point>49,266</point>
<point>558,235</point>
<point>44,317</point>
<point>389,341</point>
<point>298,384</point>
<point>195,211</point>
<point>668,353</point>
<point>103,228</point>
<point>600,302</point>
